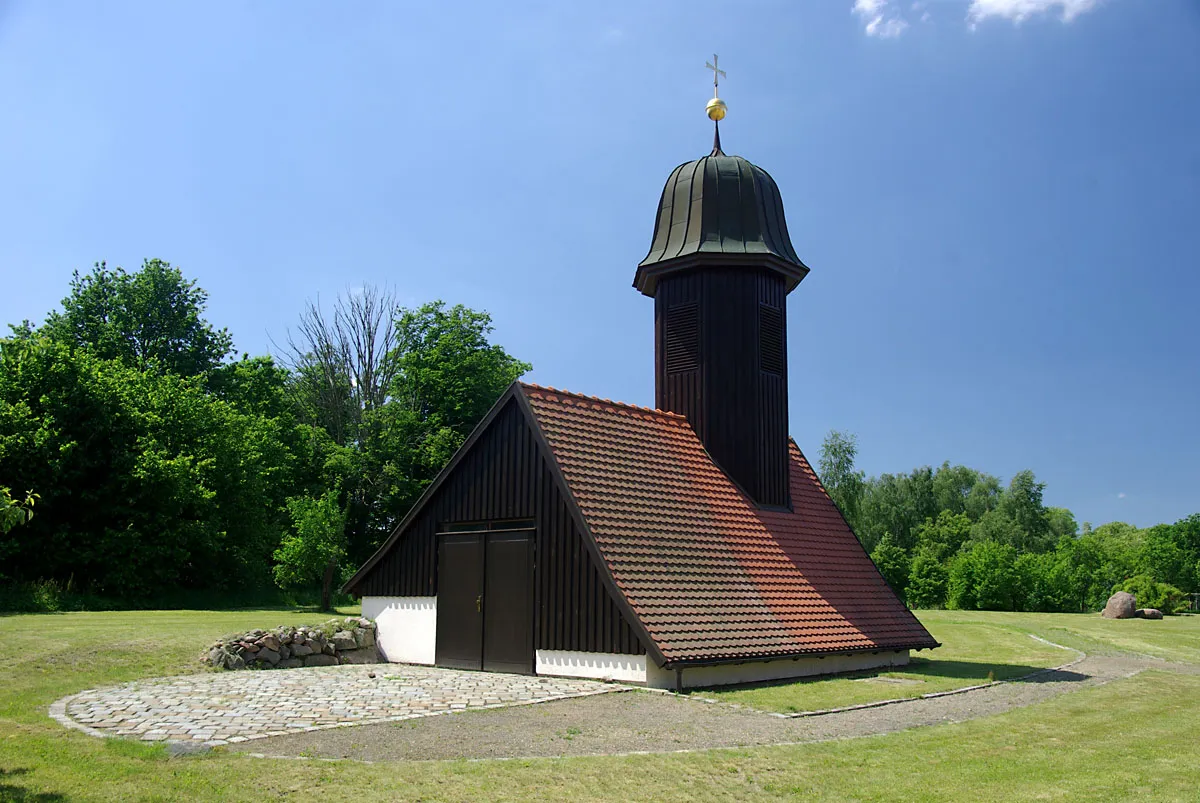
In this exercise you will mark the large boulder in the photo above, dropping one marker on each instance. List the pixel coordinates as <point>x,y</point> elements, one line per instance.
<point>344,640</point>
<point>320,660</point>
<point>363,656</point>
<point>1148,613</point>
<point>1121,605</point>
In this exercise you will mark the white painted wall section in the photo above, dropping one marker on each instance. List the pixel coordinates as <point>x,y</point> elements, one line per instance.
<point>407,627</point>
<point>726,674</point>
<point>596,665</point>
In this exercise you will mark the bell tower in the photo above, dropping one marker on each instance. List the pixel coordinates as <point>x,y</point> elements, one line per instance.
<point>720,267</point>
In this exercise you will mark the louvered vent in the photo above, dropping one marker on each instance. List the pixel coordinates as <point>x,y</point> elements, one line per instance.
<point>770,339</point>
<point>683,338</point>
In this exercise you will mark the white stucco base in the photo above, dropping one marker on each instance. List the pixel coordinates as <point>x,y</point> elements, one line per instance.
<point>597,665</point>
<point>636,669</point>
<point>407,627</point>
<point>726,674</point>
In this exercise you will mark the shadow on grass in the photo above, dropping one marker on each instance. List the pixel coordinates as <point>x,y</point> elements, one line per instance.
<point>20,794</point>
<point>977,671</point>
<point>964,673</point>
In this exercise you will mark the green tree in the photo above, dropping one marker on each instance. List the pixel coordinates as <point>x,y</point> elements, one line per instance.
<point>1187,535</point>
<point>927,581</point>
<point>1152,594</point>
<point>1114,554</point>
<point>996,527</point>
<point>897,504</point>
<point>447,376</point>
<point>892,562</point>
<point>841,481</point>
<point>313,550</point>
<point>959,489</point>
<point>14,511</point>
<point>1163,558</point>
<point>151,316</point>
<point>1046,582</point>
<point>447,371</point>
<point>396,392</point>
<point>984,497</point>
<point>985,577</point>
<point>148,481</point>
<point>1022,504</point>
<point>944,537</point>
<point>1061,523</point>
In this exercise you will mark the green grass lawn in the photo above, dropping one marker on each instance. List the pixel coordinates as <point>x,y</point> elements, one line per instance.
<point>1131,739</point>
<point>973,651</point>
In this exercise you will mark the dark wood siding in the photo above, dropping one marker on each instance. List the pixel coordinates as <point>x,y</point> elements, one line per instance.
<point>678,391</point>
<point>735,402</point>
<point>504,477</point>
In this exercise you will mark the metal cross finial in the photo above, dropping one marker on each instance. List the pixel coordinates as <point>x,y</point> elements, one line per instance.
<point>716,72</point>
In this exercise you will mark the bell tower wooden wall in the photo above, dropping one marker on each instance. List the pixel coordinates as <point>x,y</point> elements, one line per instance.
<point>721,360</point>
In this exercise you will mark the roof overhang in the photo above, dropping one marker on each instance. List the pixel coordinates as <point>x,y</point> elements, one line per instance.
<point>793,656</point>
<point>648,274</point>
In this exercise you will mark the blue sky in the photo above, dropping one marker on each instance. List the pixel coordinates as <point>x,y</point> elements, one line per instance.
<point>999,199</point>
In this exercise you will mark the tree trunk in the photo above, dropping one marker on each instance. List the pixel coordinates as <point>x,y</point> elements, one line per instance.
<point>327,585</point>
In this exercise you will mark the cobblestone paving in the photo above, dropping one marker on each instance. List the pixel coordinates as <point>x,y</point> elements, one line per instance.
<point>233,707</point>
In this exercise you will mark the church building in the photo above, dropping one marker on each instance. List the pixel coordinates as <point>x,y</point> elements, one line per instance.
<point>687,545</point>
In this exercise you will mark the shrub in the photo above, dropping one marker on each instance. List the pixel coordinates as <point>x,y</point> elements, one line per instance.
<point>927,581</point>
<point>892,562</point>
<point>1151,594</point>
<point>985,578</point>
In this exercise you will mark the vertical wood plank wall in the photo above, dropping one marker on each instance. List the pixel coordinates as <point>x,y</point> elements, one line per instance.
<point>504,477</point>
<point>738,410</point>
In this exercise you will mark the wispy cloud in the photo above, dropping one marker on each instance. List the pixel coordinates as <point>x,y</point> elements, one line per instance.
<point>1020,10</point>
<point>887,19</point>
<point>1121,495</point>
<point>879,19</point>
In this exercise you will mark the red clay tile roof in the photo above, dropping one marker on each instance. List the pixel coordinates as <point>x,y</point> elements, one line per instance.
<point>712,576</point>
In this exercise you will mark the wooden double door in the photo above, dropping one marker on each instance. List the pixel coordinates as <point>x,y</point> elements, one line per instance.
<point>485,601</point>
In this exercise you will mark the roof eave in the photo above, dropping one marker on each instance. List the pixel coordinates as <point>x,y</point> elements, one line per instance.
<point>685,663</point>
<point>648,273</point>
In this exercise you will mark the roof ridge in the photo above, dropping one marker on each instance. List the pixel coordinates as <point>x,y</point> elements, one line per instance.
<point>627,405</point>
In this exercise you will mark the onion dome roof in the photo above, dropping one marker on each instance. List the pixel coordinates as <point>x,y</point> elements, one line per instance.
<point>719,210</point>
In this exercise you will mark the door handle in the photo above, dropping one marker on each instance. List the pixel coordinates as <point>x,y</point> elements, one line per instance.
<point>479,604</point>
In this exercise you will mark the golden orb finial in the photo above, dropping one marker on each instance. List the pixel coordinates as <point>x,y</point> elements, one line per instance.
<point>716,107</point>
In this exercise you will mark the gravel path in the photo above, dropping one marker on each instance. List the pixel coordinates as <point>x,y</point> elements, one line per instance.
<point>642,721</point>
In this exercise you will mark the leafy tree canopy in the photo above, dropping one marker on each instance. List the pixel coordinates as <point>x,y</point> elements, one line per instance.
<point>316,545</point>
<point>892,562</point>
<point>836,467</point>
<point>150,316</point>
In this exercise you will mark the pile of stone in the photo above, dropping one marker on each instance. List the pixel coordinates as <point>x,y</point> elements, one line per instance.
<point>338,641</point>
